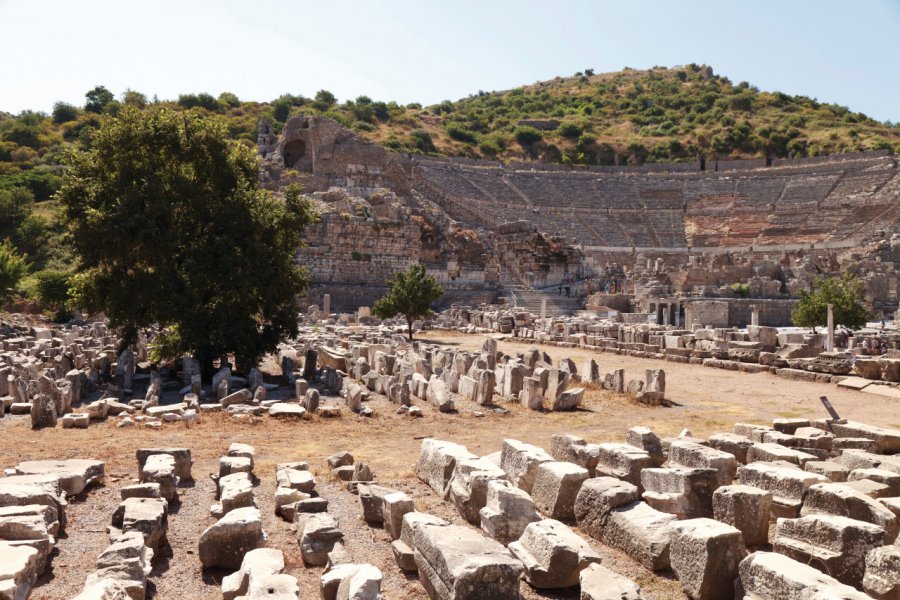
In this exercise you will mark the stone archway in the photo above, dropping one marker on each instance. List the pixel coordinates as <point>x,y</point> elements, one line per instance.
<point>294,152</point>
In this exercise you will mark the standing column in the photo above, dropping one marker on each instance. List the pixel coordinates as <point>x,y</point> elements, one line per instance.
<point>326,304</point>
<point>543,308</point>
<point>829,345</point>
<point>754,315</point>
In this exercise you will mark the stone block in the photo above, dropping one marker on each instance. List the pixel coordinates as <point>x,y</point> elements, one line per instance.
<point>882,578</point>
<point>507,512</point>
<point>837,546</point>
<point>599,583</point>
<point>835,472</point>
<point>597,498</point>
<point>553,554</point>
<point>437,461</point>
<point>182,456</point>
<point>225,543</point>
<point>691,454</point>
<point>841,500</point>
<point>705,555</point>
<point>732,443</point>
<point>746,508</point>
<point>681,491</point>
<point>396,505</point>
<point>640,531</point>
<point>787,485</point>
<point>160,468</point>
<point>457,563</point>
<point>644,438</point>
<point>317,534</point>
<point>520,462</point>
<point>468,487</point>
<point>622,461</point>
<point>772,576</point>
<point>555,488</point>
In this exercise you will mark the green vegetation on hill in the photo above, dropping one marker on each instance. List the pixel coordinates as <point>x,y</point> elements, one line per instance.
<point>628,117</point>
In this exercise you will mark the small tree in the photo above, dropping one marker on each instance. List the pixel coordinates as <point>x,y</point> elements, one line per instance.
<point>411,294</point>
<point>844,292</point>
<point>12,268</point>
<point>52,290</point>
<point>97,99</point>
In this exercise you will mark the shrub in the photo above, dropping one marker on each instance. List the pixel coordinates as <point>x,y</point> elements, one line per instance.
<point>12,268</point>
<point>527,135</point>
<point>324,100</point>
<point>63,112</point>
<point>460,133</point>
<point>421,141</point>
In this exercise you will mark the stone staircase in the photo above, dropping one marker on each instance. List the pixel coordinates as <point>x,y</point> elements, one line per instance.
<point>530,299</point>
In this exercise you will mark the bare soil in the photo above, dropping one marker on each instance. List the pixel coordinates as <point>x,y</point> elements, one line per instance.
<point>705,400</point>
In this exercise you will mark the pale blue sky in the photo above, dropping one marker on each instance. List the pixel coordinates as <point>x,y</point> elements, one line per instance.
<point>428,51</point>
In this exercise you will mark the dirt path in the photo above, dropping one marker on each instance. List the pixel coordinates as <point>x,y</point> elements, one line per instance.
<point>707,400</point>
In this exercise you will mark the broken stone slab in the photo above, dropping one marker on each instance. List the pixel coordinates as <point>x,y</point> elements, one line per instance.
<point>681,491</point>
<point>75,421</point>
<point>234,464</point>
<point>556,487</point>
<point>705,555</point>
<point>317,534</point>
<point>882,578</point>
<point>182,456</point>
<point>404,556</point>
<point>599,583</point>
<point>569,399</point>
<point>235,491</point>
<point>43,411</point>
<point>787,485</point>
<point>835,545</point>
<point>468,487</point>
<point>553,554</point>
<point>75,475</point>
<point>841,500</point>
<point>457,563</point>
<point>340,459</point>
<point>521,461</point>
<point>437,461</point>
<point>371,500</point>
<point>644,438</point>
<point>30,526</point>
<point>364,583</point>
<point>295,479</point>
<point>438,394</point>
<point>126,560</point>
<point>225,543</point>
<point>288,410</point>
<point>160,468</point>
<point>507,512</point>
<point>149,516</point>
<point>773,576</point>
<point>396,505</point>
<point>256,563</point>
<point>18,570</point>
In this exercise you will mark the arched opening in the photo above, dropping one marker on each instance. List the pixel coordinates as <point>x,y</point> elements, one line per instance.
<point>294,151</point>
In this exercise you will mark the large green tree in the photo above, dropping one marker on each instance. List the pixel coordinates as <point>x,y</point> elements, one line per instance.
<point>844,292</point>
<point>411,294</point>
<point>173,230</point>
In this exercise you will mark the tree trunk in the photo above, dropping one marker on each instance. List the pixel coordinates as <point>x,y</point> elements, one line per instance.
<point>409,326</point>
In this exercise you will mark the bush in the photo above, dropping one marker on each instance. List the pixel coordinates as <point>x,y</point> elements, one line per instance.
<point>460,133</point>
<point>741,290</point>
<point>63,112</point>
<point>202,100</point>
<point>421,141</point>
<point>12,268</point>
<point>97,99</point>
<point>52,291</point>
<point>527,135</point>
<point>324,100</point>
<point>570,129</point>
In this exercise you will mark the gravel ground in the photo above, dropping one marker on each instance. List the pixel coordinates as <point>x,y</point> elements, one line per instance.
<point>706,400</point>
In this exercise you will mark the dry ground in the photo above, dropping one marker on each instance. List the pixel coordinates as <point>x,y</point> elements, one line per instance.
<point>707,400</point>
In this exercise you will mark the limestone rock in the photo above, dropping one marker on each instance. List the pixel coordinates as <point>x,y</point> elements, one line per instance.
<point>553,554</point>
<point>225,543</point>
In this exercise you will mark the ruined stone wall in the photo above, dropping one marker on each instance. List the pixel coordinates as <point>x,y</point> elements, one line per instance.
<point>737,312</point>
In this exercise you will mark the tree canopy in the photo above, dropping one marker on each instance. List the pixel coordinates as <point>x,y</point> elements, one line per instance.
<point>844,292</point>
<point>411,294</point>
<point>172,230</point>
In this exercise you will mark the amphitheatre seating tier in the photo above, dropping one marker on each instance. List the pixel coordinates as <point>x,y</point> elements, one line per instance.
<point>811,201</point>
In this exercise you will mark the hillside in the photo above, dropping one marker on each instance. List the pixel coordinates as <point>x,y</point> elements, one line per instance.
<point>627,117</point>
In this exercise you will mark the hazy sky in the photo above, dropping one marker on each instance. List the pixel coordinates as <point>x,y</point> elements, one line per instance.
<point>428,51</point>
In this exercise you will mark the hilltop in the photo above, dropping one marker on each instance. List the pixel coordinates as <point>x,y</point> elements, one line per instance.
<point>628,117</point>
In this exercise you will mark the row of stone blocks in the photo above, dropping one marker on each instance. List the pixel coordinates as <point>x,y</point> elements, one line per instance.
<point>32,515</point>
<point>642,518</point>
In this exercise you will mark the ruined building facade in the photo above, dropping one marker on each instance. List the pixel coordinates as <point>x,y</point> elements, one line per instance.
<point>666,235</point>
